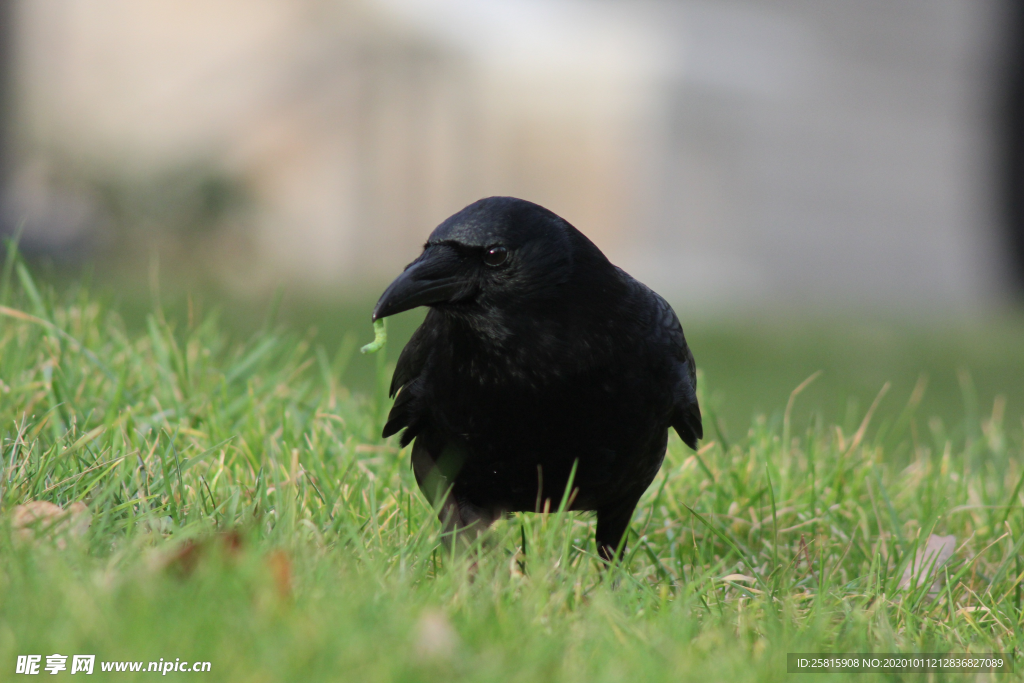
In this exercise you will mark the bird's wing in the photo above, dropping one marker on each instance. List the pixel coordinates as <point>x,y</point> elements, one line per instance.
<point>685,417</point>
<point>412,359</point>
<point>405,413</point>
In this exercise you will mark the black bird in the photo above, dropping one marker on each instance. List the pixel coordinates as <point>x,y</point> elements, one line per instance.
<point>539,361</point>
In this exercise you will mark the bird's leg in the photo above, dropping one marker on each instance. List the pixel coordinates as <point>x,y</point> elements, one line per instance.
<point>459,518</point>
<point>612,523</point>
<point>463,521</point>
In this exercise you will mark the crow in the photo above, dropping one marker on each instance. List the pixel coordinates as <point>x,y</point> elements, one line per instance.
<point>538,364</point>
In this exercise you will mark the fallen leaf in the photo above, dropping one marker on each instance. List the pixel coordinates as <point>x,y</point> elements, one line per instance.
<point>281,569</point>
<point>184,559</point>
<point>928,561</point>
<point>40,518</point>
<point>435,639</point>
<point>739,577</point>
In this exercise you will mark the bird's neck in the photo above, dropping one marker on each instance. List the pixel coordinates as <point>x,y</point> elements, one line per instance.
<point>563,336</point>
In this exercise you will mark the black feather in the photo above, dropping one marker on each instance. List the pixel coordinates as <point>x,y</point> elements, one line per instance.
<point>538,356</point>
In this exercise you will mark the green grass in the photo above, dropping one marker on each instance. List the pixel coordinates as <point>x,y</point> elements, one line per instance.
<point>171,434</point>
<point>750,362</point>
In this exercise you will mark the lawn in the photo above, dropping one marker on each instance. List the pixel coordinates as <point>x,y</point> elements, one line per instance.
<point>243,510</point>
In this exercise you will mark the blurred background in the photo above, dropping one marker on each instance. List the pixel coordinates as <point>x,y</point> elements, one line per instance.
<point>814,184</point>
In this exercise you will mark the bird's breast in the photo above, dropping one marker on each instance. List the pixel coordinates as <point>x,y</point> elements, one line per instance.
<point>520,433</point>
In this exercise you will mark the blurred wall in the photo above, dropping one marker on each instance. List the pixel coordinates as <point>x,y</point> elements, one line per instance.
<point>833,151</point>
<point>740,152</point>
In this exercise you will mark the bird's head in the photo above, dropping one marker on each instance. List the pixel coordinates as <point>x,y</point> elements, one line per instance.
<point>494,254</point>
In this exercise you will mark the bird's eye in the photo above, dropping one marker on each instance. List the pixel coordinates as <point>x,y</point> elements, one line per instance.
<point>495,256</point>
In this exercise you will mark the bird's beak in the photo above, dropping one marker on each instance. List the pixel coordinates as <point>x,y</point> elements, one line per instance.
<point>431,279</point>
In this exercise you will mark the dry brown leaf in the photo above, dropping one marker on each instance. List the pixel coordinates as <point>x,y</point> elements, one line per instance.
<point>739,577</point>
<point>435,639</point>
<point>40,518</point>
<point>928,562</point>
<point>184,559</point>
<point>281,569</point>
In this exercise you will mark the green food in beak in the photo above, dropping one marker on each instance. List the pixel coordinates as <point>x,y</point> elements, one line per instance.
<point>380,336</point>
